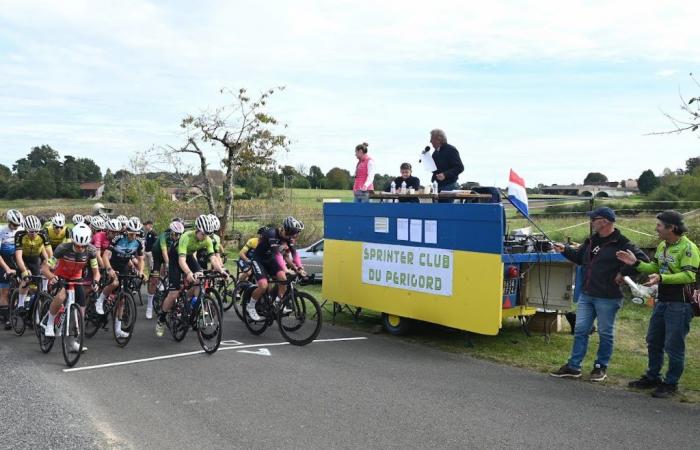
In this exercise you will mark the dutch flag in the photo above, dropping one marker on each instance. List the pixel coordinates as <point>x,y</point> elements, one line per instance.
<point>517,193</point>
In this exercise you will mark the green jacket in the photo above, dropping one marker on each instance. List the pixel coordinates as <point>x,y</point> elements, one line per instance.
<point>677,264</point>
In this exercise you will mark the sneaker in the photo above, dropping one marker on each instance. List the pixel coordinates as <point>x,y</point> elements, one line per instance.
<point>99,307</point>
<point>160,329</point>
<point>644,383</point>
<point>49,330</point>
<point>665,390</point>
<point>599,373</point>
<point>149,313</point>
<point>252,313</point>
<point>8,325</point>
<point>75,347</point>
<point>121,334</point>
<point>566,372</point>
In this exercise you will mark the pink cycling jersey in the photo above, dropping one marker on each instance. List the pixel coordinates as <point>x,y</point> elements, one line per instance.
<point>100,241</point>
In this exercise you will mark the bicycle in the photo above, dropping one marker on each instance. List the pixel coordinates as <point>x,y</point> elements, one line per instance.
<point>296,311</point>
<point>29,316</point>
<point>69,322</point>
<point>201,313</point>
<point>122,297</point>
<point>160,294</point>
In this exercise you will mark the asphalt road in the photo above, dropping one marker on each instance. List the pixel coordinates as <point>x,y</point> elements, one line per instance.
<point>258,392</point>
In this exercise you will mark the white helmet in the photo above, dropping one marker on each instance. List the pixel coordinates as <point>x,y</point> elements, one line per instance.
<point>58,220</point>
<point>292,225</point>
<point>81,234</point>
<point>135,219</point>
<point>133,226</point>
<point>14,217</point>
<point>98,223</point>
<point>87,219</point>
<point>215,220</point>
<point>204,224</point>
<point>177,227</point>
<point>122,219</point>
<point>104,216</point>
<point>77,218</point>
<point>114,225</point>
<point>32,223</point>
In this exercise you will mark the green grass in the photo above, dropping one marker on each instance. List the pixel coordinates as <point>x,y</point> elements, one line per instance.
<point>537,353</point>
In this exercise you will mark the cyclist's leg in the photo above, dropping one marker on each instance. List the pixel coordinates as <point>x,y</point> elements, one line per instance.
<point>174,283</point>
<point>153,280</point>
<point>5,293</point>
<point>55,306</point>
<point>195,267</point>
<point>109,288</point>
<point>32,265</point>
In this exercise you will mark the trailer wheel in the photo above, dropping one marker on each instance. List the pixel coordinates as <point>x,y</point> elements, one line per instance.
<point>397,325</point>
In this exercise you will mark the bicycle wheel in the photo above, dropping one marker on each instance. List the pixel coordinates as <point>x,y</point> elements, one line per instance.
<point>227,298</point>
<point>209,326</point>
<point>255,327</point>
<point>158,298</point>
<point>177,322</point>
<point>93,321</point>
<point>39,301</point>
<point>237,298</point>
<point>72,334</point>
<point>214,294</point>
<point>300,319</point>
<point>128,317</point>
<point>17,318</point>
<point>45,343</point>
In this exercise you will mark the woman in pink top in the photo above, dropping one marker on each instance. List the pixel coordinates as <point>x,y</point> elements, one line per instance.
<point>364,174</point>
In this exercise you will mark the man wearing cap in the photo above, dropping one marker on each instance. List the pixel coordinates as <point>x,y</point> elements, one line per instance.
<point>673,268</point>
<point>601,295</point>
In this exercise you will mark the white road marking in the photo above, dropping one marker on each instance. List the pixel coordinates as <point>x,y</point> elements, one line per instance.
<point>262,352</point>
<point>231,342</point>
<point>179,355</point>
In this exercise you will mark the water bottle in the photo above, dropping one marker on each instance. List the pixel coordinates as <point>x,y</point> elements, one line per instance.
<point>435,187</point>
<point>393,187</point>
<point>193,300</point>
<point>403,187</point>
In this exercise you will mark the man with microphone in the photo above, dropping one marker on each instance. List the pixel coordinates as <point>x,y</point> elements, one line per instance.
<point>447,162</point>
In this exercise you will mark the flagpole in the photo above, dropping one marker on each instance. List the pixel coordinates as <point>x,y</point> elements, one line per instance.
<point>526,217</point>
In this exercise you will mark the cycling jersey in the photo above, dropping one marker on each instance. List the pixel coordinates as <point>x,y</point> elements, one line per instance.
<point>163,243</point>
<point>272,244</point>
<point>31,247</point>
<point>56,236</point>
<point>189,244</point>
<point>68,263</point>
<point>124,249</point>
<point>7,241</point>
<point>250,246</point>
<point>216,243</point>
<point>677,264</point>
<point>101,241</point>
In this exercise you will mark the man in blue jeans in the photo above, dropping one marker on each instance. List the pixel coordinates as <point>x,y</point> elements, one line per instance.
<point>674,269</point>
<point>601,295</point>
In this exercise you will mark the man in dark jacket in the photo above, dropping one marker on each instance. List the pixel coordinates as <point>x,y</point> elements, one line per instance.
<point>410,180</point>
<point>601,295</point>
<point>449,164</point>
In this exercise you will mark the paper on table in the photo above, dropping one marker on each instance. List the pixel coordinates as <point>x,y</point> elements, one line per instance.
<point>428,163</point>
<point>402,229</point>
<point>416,230</point>
<point>431,231</point>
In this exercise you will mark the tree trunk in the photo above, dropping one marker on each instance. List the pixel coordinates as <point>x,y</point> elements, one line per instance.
<point>208,194</point>
<point>228,191</point>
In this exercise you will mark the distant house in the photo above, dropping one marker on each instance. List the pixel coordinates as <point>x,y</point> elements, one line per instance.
<point>92,189</point>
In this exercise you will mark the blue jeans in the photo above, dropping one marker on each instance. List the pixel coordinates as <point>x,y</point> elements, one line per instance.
<point>589,308</point>
<point>668,327</point>
<point>361,196</point>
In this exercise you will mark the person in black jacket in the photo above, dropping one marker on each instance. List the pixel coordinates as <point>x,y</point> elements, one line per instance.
<point>449,164</point>
<point>601,295</point>
<point>410,180</point>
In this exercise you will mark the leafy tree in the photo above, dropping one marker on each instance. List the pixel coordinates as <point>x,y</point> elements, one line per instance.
<point>301,183</point>
<point>338,178</point>
<point>381,182</point>
<point>5,172</point>
<point>88,170</point>
<point>648,182</point>
<point>258,185</point>
<point>595,178</point>
<point>315,177</point>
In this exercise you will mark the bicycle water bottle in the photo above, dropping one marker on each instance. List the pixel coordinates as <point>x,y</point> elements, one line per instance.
<point>393,187</point>
<point>193,300</point>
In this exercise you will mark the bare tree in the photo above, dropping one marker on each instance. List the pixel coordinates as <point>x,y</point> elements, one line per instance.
<point>241,136</point>
<point>691,107</point>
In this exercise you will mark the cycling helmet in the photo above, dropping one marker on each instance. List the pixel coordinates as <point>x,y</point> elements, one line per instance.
<point>59,220</point>
<point>204,224</point>
<point>135,219</point>
<point>98,207</point>
<point>215,221</point>
<point>14,217</point>
<point>77,218</point>
<point>104,216</point>
<point>263,229</point>
<point>177,227</point>
<point>292,225</point>
<point>32,223</point>
<point>122,219</point>
<point>133,226</point>
<point>98,223</point>
<point>87,219</point>
<point>81,234</point>
<point>178,219</point>
<point>114,225</point>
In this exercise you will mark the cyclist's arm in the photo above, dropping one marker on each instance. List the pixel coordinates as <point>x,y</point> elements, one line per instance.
<point>4,265</point>
<point>19,260</point>
<point>106,256</point>
<point>164,251</point>
<point>182,262</point>
<point>46,267</point>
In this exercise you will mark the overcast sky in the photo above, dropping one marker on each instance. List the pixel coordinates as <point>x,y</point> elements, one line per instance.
<point>552,89</point>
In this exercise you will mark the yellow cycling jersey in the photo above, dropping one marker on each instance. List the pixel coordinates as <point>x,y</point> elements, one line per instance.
<point>250,246</point>
<point>56,236</point>
<point>31,246</point>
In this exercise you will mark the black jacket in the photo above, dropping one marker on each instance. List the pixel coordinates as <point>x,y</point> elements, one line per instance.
<point>449,163</point>
<point>597,256</point>
<point>411,182</point>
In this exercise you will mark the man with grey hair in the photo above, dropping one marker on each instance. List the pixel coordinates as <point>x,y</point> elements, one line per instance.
<point>449,164</point>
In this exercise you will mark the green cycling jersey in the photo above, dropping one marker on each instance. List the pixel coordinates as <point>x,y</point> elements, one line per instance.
<point>189,244</point>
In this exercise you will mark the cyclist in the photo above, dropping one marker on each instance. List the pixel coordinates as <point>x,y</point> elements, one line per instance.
<point>56,231</point>
<point>100,239</point>
<point>161,260</point>
<point>30,252</point>
<point>67,263</point>
<point>202,257</point>
<point>7,254</point>
<point>116,259</point>
<point>150,237</point>
<point>182,262</point>
<point>268,260</point>
<point>245,256</point>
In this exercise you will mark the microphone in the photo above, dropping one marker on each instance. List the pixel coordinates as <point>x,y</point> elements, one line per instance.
<point>427,149</point>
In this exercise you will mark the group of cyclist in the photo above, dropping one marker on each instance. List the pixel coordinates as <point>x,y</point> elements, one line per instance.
<point>99,247</point>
